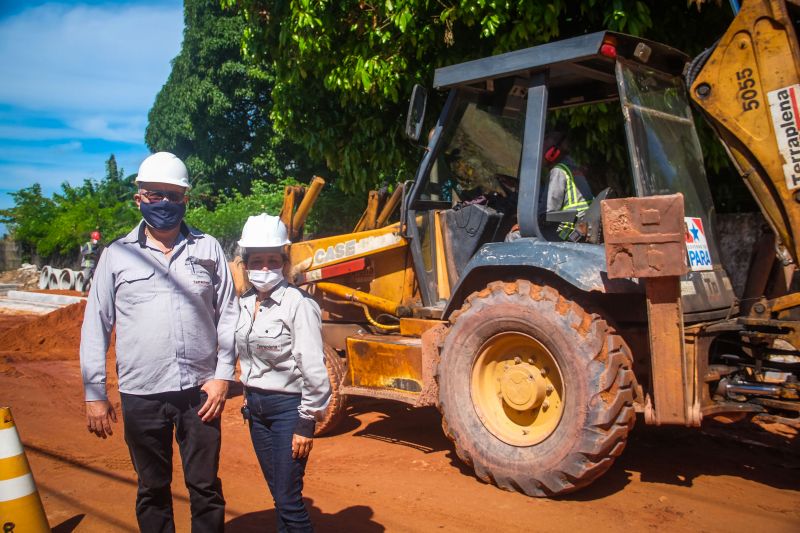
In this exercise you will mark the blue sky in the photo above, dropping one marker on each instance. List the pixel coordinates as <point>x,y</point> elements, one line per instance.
<point>78,79</point>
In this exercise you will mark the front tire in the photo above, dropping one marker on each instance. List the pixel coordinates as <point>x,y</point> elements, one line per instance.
<point>535,391</point>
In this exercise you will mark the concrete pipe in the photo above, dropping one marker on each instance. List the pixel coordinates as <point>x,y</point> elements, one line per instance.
<point>53,280</point>
<point>66,280</point>
<point>79,281</point>
<point>44,277</point>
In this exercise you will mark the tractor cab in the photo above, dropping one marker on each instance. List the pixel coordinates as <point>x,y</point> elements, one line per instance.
<point>485,199</point>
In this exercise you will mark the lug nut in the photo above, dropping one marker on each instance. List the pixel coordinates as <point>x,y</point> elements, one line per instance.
<point>549,389</point>
<point>517,360</point>
<point>530,361</point>
<point>543,371</point>
<point>545,405</point>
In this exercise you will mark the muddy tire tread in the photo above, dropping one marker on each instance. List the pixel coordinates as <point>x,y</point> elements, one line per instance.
<point>612,414</point>
<point>337,407</point>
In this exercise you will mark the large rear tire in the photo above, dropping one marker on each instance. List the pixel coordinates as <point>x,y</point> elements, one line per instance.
<point>535,391</point>
<point>337,406</point>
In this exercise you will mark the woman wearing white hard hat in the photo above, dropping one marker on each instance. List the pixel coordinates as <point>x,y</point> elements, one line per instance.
<point>279,341</point>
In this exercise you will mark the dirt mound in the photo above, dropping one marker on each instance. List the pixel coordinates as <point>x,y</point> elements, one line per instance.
<point>56,335</point>
<point>10,319</point>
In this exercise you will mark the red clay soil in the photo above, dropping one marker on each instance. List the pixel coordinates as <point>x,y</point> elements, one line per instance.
<point>387,468</point>
<point>9,320</point>
<point>56,335</point>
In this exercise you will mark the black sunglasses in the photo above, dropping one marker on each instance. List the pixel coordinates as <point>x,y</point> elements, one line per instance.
<point>158,196</point>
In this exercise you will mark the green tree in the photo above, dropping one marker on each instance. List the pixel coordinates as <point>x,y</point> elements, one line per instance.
<point>29,220</point>
<point>213,112</point>
<point>56,227</point>
<point>343,69</point>
<point>334,213</point>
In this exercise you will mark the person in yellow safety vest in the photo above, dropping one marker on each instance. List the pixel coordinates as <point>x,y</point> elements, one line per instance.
<point>90,252</point>
<point>567,186</point>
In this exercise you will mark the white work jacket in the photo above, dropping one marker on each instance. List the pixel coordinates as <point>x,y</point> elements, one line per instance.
<point>282,349</point>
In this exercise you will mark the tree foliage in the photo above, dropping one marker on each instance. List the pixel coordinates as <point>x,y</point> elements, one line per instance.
<point>344,68</point>
<point>333,213</point>
<point>57,226</point>
<point>213,112</point>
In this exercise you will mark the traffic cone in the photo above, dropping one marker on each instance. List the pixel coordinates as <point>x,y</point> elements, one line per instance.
<point>20,506</point>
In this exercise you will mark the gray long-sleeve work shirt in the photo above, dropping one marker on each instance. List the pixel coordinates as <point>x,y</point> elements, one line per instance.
<point>175,316</point>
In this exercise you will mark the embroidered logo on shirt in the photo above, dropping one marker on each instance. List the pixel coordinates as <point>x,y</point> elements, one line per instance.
<point>271,347</point>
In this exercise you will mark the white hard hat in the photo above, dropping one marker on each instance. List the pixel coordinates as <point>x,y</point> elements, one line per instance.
<point>163,167</point>
<point>264,231</point>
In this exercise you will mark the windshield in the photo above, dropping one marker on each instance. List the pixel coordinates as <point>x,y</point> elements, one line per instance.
<point>480,153</point>
<point>664,148</point>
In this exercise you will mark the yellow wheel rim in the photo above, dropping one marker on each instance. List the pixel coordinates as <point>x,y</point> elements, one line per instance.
<point>517,389</point>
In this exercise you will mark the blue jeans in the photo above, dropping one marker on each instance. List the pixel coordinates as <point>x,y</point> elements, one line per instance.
<point>273,417</point>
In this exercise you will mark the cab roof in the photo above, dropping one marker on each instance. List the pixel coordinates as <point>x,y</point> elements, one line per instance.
<point>577,71</point>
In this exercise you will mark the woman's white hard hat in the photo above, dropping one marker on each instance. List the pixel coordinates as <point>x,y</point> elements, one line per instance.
<point>163,167</point>
<point>264,231</point>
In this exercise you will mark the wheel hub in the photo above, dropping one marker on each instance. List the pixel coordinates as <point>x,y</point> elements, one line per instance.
<point>517,389</point>
<point>522,386</point>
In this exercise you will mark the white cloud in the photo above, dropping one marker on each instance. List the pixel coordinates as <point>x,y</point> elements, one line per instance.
<point>52,165</point>
<point>72,146</point>
<point>76,84</point>
<point>128,129</point>
<point>81,58</point>
<point>35,133</point>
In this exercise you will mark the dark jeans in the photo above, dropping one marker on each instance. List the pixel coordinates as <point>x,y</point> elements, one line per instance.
<point>273,417</point>
<point>149,421</point>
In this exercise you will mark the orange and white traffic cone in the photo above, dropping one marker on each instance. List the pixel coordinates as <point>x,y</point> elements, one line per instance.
<point>20,506</point>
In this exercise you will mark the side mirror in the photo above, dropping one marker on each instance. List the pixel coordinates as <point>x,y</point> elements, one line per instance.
<point>416,112</point>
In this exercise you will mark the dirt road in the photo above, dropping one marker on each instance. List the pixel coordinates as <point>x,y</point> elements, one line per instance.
<point>390,468</point>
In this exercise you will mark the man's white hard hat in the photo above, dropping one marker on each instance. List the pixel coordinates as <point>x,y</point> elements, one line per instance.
<point>163,167</point>
<point>264,231</point>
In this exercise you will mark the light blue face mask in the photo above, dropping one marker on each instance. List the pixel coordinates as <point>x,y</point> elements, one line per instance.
<point>265,280</point>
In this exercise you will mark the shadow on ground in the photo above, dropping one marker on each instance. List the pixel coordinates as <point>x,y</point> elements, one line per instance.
<point>355,518</point>
<point>668,455</point>
<point>69,525</point>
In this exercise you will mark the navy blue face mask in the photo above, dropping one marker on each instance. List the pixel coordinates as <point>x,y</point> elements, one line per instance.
<point>163,215</point>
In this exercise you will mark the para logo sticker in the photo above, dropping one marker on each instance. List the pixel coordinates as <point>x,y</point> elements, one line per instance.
<point>696,245</point>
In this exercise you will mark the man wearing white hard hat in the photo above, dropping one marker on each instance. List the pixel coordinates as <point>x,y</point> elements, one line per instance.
<point>167,289</point>
<point>279,341</point>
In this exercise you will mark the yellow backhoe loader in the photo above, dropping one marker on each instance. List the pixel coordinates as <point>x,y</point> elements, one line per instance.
<point>539,350</point>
